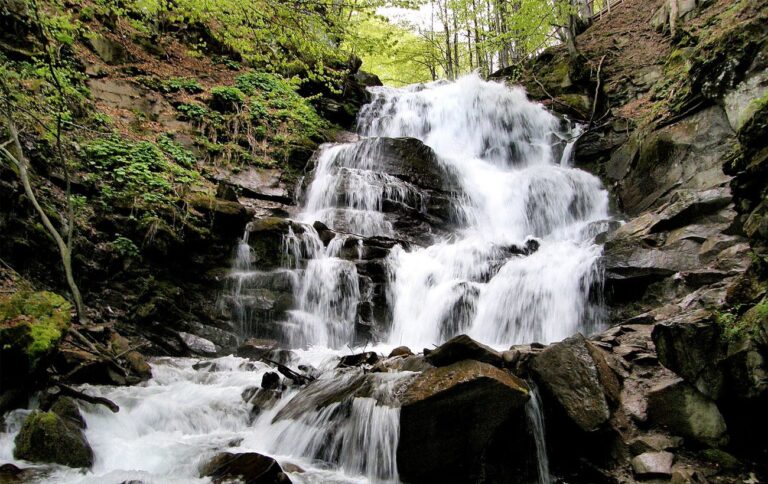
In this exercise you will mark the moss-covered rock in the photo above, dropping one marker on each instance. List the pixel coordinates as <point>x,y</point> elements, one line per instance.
<point>31,326</point>
<point>46,437</point>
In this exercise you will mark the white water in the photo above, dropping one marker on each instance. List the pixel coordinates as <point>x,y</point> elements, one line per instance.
<point>535,413</point>
<point>169,427</point>
<point>515,184</point>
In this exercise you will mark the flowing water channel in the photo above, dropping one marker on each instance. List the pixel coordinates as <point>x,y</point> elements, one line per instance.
<point>512,260</point>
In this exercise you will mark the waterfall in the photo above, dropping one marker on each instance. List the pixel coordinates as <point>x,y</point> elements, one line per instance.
<point>535,414</point>
<point>457,211</point>
<point>510,161</point>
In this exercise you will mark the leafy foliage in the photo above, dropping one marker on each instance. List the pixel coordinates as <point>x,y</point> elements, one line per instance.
<point>141,173</point>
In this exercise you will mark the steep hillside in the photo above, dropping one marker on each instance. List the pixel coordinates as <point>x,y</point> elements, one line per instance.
<point>173,143</point>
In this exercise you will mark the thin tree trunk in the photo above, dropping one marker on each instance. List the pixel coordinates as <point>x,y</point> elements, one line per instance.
<point>64,251</point>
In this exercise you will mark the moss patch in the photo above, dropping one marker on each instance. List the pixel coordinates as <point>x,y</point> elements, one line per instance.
<point>33,322</point>
<point>46,437</point>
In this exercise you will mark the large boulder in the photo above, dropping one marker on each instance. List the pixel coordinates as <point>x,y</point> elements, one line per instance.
<point>462,347</point>
<point>449,418</point>
<point>249,467</point>
<point>685,411</point>
<point>576,373</point>
<point>47,437</point>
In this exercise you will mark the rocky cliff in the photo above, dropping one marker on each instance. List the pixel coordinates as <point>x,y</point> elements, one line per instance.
<point>673,95</point>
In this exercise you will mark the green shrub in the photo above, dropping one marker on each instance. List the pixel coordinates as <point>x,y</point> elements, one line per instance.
<point>176,84</point>
<point>139,171</point>
<point>226,98</point>
<point>193,112</point>
<point>124,247</point>
<point>178,153</point>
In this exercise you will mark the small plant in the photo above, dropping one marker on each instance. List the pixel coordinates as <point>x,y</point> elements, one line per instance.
<point>737,323</point>
<point>176,84</point>
<point>194,112</point>
<point>124,247</point>
<point>178,153</point>
<point>226,98</point>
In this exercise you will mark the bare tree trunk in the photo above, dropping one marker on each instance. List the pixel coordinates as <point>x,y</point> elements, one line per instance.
<point>478,39</point>
<point>20,161</point>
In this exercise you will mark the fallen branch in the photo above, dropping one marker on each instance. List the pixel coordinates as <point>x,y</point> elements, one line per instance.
<point>68,391</point>
<point>294,376</point>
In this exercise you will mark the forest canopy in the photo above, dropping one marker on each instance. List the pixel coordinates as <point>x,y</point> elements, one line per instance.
<point>437,39</point>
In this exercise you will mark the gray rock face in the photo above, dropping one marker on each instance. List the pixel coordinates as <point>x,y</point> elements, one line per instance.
<point>692,349</point>
<point>460,348</point>
<point>47,437</point>
<point>653,464</point>
<point>685,155</point>
<point>450,416</point>
<point>577,375</point>
<point>685,411</point>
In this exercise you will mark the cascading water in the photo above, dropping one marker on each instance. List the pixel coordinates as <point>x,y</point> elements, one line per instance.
<point>502,249</point>
<point>535,414</point>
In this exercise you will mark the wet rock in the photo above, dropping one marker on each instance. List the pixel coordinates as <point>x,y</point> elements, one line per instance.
<point>402,363</point>
<point>261,399</point>
<point>463,347</point>
<point>400,351</point>
<point>450,415</point>
<point>11,474</point>
<point>721,459</point>
<point>359,359</point>
<point>249,467</point>
<point>653,442</point>
<point>653,464</point>
<point>47,437</point>
<point>81,366</point>
<point>687,412</point>
<point>67,409</point>
<point>518,358</point>
<point>266,241</point>
<point>270,381</point>
<point>256,348</point>
<point>577,374</point>
<point>684,155</point>
<point>198,345</point>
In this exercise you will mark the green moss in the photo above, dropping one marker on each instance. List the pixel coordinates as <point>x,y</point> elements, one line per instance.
<point>737,324</point>
<point>46,437</point>
<point>33,322</point>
